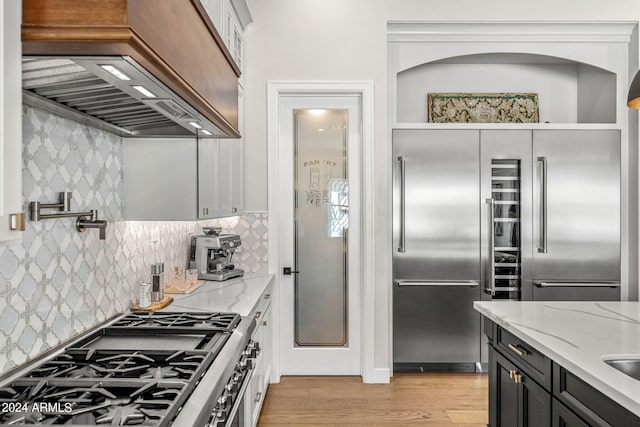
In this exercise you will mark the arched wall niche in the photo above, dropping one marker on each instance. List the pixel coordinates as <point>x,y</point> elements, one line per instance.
<point>568,91</point>
<point>581,70</point>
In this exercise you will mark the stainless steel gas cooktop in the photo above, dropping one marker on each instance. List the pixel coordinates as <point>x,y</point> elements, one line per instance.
<point>140,369</point>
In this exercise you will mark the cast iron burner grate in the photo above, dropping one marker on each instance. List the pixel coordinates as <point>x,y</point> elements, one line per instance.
<point>224,322</point>
<point>64,402</point>
<point>145,364</point>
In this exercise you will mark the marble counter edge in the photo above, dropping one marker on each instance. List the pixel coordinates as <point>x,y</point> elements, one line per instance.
<point>229,292</point>
<point>600,384</point>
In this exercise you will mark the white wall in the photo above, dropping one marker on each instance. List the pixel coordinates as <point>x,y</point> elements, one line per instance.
<point>346,40</point>
<point>555,84</point>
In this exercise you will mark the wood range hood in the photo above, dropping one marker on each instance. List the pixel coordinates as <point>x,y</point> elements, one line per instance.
<point>167,46</point>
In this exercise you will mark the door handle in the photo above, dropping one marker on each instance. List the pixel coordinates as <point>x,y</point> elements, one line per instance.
<point>287,271</point>
<point>460,283</point>
<point>492,248</point>
<point>542,246</point>
<point>401,243</point>
<point>542,284</point>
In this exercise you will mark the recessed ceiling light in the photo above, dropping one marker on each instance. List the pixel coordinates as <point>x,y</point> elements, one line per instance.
<point>321,130</point>
<point>195,125</point>
<point>206,132</point>
<point>317,111</point>
<point>116,72</point>
<point>143,90</point>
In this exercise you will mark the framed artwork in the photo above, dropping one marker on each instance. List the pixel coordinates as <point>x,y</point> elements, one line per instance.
<point>482,108</point>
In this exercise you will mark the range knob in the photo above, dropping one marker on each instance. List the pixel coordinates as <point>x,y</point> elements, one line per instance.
<point>224,404</point>
<point>254,349</point>
<point>245,364</point>
<point>219,417</point>
<point>237,380</point>
<point>231,389</point>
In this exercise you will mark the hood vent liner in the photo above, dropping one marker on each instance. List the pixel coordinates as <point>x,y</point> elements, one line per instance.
<point>80,84</point>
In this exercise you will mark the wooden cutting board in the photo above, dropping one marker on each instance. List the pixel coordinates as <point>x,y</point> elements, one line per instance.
<point>155,306</point>
<point>172,290</point>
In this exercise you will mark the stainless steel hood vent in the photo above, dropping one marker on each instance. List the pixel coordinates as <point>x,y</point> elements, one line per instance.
<point>112,93</point>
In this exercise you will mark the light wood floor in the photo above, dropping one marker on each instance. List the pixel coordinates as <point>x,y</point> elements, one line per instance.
<point>430,399</point>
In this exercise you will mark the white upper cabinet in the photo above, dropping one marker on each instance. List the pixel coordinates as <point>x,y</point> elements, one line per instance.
<point>180,179</point>
<point>11,217</point>
<point>230,17</point>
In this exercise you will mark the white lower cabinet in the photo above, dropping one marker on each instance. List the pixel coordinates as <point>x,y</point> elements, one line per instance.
<point>257,389</point>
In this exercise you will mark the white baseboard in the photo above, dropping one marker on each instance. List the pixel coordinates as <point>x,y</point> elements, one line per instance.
<point>378,376</point>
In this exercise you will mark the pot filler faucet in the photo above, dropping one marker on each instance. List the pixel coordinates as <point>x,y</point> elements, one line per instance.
<point>85,220</point>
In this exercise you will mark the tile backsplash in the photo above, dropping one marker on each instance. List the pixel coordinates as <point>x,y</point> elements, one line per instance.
<point>58,282</point>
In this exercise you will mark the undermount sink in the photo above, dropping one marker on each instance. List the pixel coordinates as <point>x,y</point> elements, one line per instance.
<point>629,365</point>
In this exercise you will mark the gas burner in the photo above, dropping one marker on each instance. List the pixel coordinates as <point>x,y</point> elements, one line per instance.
<point>111,364</point>
<point>57,402</point>
<point>209,321</point>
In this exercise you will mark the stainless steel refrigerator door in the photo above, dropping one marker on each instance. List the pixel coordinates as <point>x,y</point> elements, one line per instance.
<point>576,199</point>
<point>434,322</point>
<point>436,215</point>
<point>436,246</point>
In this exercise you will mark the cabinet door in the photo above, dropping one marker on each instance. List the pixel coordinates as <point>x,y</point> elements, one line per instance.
<point>534,403</point>
<point>10,114</point>
<point>267,346</point>
<point>514,398</point>
<point>208,177</point>
<point>503,391</point>
<point>215,10</point>
<point>237,160</point>
<point>576,205</point>
<point>563,417</point>
<point>160,177</point>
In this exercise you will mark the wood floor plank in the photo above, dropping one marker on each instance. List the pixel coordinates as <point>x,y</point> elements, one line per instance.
<point>426,399</point>
<point>468,416</point>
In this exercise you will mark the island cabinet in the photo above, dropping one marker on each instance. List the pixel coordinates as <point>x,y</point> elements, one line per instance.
<point>519,382</point>
<point>527,389</point>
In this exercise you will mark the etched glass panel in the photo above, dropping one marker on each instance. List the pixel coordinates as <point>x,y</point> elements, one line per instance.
<point>321,221</point>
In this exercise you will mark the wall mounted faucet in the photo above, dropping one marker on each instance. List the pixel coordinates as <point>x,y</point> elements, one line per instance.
<point>82,224</point>
<point>85,219</point>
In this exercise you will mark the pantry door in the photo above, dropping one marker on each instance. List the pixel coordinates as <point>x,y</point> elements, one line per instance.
<point>320,284</point>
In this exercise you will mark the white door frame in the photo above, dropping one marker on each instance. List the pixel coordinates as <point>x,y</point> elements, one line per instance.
<point>364,89</point>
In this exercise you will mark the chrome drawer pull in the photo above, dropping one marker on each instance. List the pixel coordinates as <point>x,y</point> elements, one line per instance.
<point>264,323</point>
<point>258,397</point>
<point>258,314</point>
<point>267,296</point>
<point>517,350</point>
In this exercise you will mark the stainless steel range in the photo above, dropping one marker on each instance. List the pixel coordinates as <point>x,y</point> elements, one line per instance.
<point>151,369</point>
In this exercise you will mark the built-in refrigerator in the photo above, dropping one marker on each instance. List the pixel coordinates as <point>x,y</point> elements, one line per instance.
<point>496,214</point>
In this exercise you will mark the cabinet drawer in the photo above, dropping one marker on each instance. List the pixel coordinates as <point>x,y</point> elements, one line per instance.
<point>561,416</point>
<point>262,305</point>
<point>534,363</point>
<point>255,394</point>
<point>588,403</point>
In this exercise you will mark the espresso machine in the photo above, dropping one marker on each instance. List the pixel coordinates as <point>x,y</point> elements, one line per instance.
<point>211,254</point>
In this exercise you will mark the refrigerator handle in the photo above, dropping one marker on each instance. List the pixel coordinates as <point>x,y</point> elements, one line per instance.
<point>401,243</point>
<point>604,284</point>
<point>542,246</point>
<point>492,250</point>
<point>458,283</point>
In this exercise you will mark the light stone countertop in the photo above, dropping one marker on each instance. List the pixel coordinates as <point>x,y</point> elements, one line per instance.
<point>238,295</point>
<point>577,335</point>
